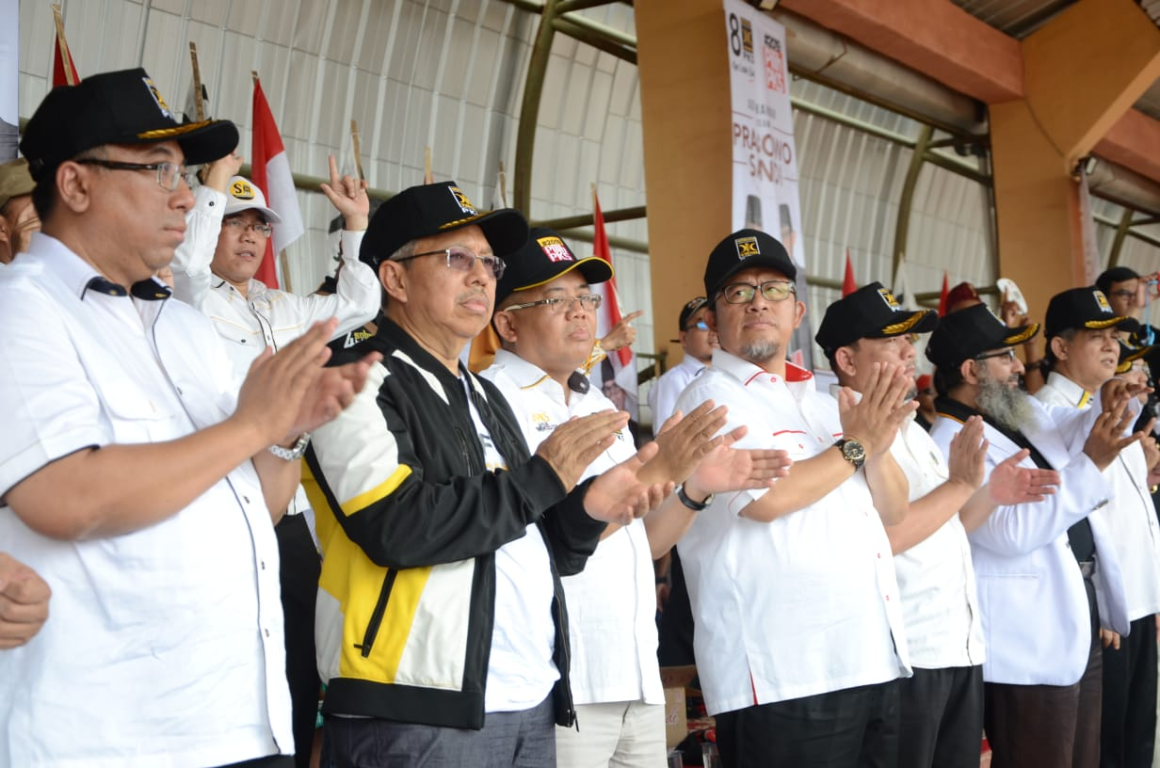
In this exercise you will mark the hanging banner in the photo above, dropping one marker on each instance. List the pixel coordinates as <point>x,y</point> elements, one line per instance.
<point>9,79</point>
<point>765,172</point>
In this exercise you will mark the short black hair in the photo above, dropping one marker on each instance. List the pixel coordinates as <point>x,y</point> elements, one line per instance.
<point>1049,358</point>
<point>947,378</point>
<point>832,354</point>
<point>44,195</point>
<point>1115,275</point>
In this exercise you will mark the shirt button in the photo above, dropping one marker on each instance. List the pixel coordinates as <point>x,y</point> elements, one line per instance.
<point>263,565</point>
<point>179,391</point>
<point>887,598</point>
<point>267,632</point>
<point>246,499</point>
<point>879,555</point>
<point>243,340</point>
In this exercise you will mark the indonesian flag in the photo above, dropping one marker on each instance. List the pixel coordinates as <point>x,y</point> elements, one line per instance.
<point>624,359</point>
<point>64,71</point>
<point>271,172</point>
<point>942,299</point>
<point>848,284</point>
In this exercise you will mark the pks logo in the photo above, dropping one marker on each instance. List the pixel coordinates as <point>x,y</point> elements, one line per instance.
<point>156,94</point>
<point>1102,300</point>
<point>891,302</point>
<point>746,247</point>
<point>241,190</point>
<point>746,36</point>
<point>554,249</point>
<point>462,201</point>
<point>541,422</point>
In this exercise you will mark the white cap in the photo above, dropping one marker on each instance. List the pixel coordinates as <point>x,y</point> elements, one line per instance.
<point>244,195</point>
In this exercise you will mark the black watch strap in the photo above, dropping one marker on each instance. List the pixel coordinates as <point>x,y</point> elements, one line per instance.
<point>696,506</point>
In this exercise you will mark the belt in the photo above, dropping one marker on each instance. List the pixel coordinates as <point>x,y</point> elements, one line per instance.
<point>1087,568</point>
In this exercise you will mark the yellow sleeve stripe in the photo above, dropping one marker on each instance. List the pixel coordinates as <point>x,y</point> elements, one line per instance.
<point>381,491</point>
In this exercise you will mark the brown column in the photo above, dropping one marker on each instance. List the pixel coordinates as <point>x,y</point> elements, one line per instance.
<point>686,115</point>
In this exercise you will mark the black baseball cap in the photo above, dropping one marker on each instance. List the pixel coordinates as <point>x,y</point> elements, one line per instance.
<point>432,209</point>
<point>745,249</point>
<point>544,257</point>
<point>122,107</point>
<point>689,310</point>
<point>1130,352</point>
<point>871,312</point>
<point>1079,308</point>
<point>970,332</point>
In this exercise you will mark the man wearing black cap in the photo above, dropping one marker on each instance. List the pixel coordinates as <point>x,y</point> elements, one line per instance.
<point>698,342</point>
<point>793,591</point>
<point>1083,352</point>
<point>1039,606</point>
<point>546,319</point>
<point>942,704</point>
<point>442,629</point>
<point>136,475</point>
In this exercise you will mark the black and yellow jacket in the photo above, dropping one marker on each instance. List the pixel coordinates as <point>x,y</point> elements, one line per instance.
<point>409,521</point>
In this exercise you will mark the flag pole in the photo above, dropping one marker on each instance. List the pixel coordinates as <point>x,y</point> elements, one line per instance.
<point>285,263</point>
<point>428,176</point>
<point>196,83</point>
<point>357,154</point>
<point>62,44</point>
<point>502,185</point>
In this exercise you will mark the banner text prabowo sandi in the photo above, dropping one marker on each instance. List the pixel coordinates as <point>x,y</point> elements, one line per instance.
<point>765,174</point>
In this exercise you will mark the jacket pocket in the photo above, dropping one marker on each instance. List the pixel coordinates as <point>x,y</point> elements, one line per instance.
<point>377,615</point>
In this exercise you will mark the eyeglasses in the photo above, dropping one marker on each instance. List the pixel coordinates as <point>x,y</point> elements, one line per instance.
<point>1123,293</point>
<point>240,227</point>
<point>1003,353</point>
<point>771,290</point>
<point>589,302</point>
<point>169,175</point>
<point>700,325</point>
<point>463,260</point>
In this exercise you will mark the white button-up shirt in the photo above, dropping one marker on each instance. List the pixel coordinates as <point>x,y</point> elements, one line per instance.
<point>807,603</point>
<point>612,602</point>
<point>1036,619</point>
<point>165,645</point>
<point>1131,516</point>
<point>662,397</point>
<point>265,317</point>
<point>939,598</point>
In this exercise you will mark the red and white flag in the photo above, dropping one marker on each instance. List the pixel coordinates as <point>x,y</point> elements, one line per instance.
<point>64,71</point>
<point>271,172</point>
<point>623,360</point>
<point>848,283</point>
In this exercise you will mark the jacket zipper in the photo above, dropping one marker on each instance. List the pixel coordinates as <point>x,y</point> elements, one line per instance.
<point>377,615</point>
<point>562,622</point>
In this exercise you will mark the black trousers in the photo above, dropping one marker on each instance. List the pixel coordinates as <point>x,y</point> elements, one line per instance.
<point>1048,726</point>
<point>1128,732</point>
<point>851,728</point>
<point>299,574</point>
<point>942,718</point>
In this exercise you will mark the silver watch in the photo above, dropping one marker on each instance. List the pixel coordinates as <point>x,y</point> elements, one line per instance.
<point>294,453</point>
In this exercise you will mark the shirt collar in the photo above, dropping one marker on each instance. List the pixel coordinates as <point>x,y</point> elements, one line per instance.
<point>82,278</point>
<point>749,373</point>
<point>1075,394</point>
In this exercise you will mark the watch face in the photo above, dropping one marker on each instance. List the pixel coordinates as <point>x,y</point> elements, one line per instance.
<point>853,451</point>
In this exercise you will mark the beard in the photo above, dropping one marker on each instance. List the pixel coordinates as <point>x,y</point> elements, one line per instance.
<point>760,352</point>
<point>1004,403</point>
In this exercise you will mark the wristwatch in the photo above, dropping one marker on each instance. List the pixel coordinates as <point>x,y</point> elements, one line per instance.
<point>293,453</point>
<point>852,451</point>
<point>696,506</point>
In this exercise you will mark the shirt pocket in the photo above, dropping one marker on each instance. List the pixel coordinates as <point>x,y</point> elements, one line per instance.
<point>136,417</point>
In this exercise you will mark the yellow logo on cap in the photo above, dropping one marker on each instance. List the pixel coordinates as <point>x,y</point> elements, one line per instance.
<point>554,249</point>
<point>462,201</point>
<point>888,297</point>
<point>241,190</point>
<point>157,97</point>
<point>747,246</point>
<point>1102,300</point>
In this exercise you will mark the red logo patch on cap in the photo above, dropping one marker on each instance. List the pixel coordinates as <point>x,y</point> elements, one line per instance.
<point>554,249</point>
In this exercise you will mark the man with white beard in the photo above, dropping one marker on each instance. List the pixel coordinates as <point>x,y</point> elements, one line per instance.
<point>1083,351</point>
<point>1036,591</point>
